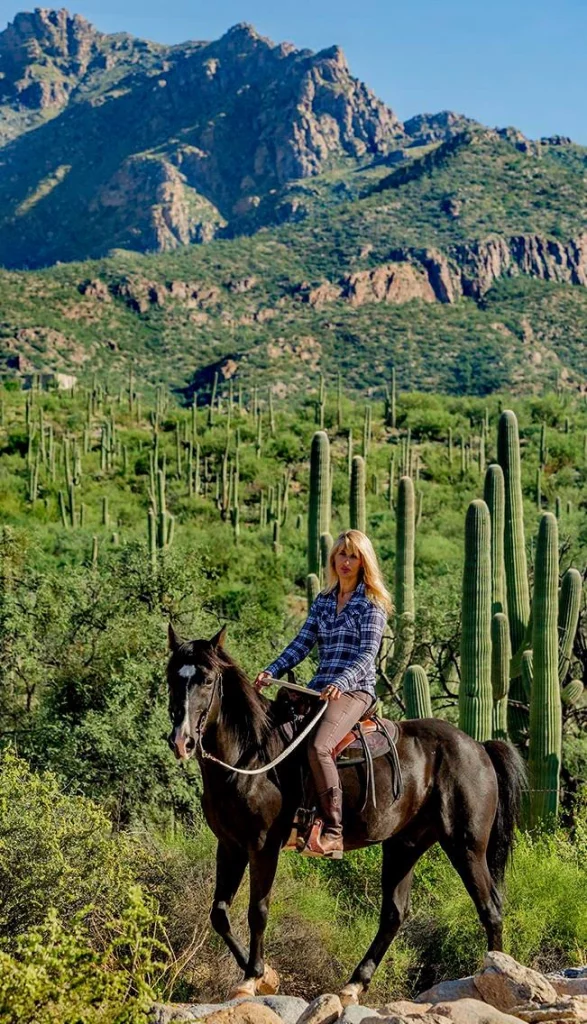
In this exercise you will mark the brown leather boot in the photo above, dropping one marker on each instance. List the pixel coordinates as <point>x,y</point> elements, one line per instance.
<point>330,840</point>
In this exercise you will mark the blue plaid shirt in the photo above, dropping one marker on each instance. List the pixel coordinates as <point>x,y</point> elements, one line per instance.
<point>347,643</point>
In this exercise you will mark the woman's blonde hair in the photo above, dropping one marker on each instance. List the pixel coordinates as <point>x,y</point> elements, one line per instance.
<point>353,542</point>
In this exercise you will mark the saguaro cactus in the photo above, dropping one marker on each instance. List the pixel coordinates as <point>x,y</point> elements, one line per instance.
<point>405,604</point>
<point>494,494</point>
<point>417,693</point>
<point>568,619</point>
<point>544,758</point>
<point>319,507</point>
<point>516,570</point>
<point>518,593</point>
<point>405,547</point>
<point>312,588</point>
<point>475,693</point>
<point>358,510</point>
<point>501,653</point>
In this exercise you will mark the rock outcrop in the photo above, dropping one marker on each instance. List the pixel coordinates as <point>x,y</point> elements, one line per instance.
<point>468,270</point>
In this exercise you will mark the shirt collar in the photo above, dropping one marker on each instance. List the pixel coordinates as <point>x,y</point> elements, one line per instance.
<point>359,591</point>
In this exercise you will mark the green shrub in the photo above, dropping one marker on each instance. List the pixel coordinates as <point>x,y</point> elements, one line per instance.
<point>57,852</point>
<point>55,975</point>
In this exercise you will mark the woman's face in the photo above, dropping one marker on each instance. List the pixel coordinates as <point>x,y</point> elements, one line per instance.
<point>347,568</point>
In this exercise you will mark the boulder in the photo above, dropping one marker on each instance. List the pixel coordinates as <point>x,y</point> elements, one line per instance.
<point>287,1008</point>
<point>567,1009</point>
<point>448,991</point>
<point>473,1011</point>
<point>504,983</point>
<point>403,1006</point>
<point>355,1014</point>
<point>247,1012</point>
<point>571,982</point>
<point>416,1018</point>
<point>325,1009</point>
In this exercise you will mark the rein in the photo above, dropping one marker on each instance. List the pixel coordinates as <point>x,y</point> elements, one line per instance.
<point>266,767</point>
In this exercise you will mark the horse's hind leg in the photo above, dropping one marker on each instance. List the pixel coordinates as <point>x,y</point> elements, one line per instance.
<point>231,863</point>
<point>468,857</point>
<point>400,854</point>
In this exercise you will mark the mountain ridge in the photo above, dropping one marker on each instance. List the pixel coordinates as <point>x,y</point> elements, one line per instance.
<point>333,233</point>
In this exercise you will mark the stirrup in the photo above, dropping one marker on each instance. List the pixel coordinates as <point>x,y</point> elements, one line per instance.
<point>312,846</point>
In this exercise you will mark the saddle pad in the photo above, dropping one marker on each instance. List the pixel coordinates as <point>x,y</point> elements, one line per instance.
<point>351,746</point>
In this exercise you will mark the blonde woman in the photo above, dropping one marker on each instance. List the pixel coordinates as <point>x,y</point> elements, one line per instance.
<point>346,621</point>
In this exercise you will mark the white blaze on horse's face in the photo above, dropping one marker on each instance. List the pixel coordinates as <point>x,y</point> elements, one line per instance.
<point>186,672</point>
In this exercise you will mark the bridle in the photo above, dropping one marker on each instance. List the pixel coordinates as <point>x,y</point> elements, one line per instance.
<point>202,720</point>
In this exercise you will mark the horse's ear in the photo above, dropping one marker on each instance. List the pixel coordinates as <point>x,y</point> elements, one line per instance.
<point>219,638</point>
<point>173,639</point>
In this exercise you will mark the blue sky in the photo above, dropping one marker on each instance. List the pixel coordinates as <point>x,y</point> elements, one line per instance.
<point>516,63</point>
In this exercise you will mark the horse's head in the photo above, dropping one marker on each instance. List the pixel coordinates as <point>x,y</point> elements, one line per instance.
<point>192,672</point>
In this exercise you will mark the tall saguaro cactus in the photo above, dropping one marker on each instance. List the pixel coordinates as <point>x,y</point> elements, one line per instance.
<point>518,593</point>
<point>475,692</point>
<point>358,509</point>
<point>405,546</point>
<point>494,494</point>
<point>544,758</point>
<point>516,569</point>
<point>405,604</point>
<point>319,506</point>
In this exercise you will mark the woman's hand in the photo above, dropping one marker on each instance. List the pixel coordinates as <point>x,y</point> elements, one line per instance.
<point>263,679</point>
<point>330,693</point>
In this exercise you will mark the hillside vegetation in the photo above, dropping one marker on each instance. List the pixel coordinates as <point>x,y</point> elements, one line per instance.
<point>89,576</point>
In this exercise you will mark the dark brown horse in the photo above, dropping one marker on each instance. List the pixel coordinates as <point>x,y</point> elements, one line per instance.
<point>457,792</point>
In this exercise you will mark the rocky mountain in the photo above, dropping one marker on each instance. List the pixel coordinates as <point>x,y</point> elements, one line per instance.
<point>149,147</point>
<point>335,234</point>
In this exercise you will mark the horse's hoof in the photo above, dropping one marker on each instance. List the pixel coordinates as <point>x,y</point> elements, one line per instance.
<point>268,985</point>
<point>244,989</point>
<point>349,995</point>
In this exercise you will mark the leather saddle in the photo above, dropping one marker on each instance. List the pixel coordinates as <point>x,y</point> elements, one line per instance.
<point>372,737</point>
<point>379,735</point>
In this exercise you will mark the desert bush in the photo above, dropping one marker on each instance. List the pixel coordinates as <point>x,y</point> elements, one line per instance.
<point>55,974</point>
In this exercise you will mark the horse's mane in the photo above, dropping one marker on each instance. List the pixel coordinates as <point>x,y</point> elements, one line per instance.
<point>244,712</point>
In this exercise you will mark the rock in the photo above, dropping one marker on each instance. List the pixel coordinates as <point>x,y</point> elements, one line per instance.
<point>355,1014</point>
<point>565,1009</point>
<point>572,982</point>
<point>390,282</point>
<point>416,1018</point>
<point>247,1012</point>
<point>95,289</point>
<point>287,1008</point>
<point>404,1007</point>
<point>504,983</point>
<point>325,1009</point>
<point>448,991</point>
<point>168,1014</point>
<point>473,1011</point>
<point>243,284</point>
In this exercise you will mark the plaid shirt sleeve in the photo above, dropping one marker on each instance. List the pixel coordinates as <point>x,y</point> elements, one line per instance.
<point>373,622</point>
<point>299,648</point>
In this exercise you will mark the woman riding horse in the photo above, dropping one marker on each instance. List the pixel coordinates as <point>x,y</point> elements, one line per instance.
<point>346,621</point>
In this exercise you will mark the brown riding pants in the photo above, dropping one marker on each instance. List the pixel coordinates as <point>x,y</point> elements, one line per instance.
<point>337,720</point>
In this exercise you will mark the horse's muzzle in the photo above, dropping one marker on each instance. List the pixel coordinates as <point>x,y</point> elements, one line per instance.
<point>183,746</point>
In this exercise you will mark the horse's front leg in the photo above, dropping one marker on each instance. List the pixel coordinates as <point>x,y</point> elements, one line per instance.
<point>259,977</point>
<point>231,863</point>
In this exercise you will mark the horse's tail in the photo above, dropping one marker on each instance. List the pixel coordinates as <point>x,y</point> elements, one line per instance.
<point>512,783</point>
